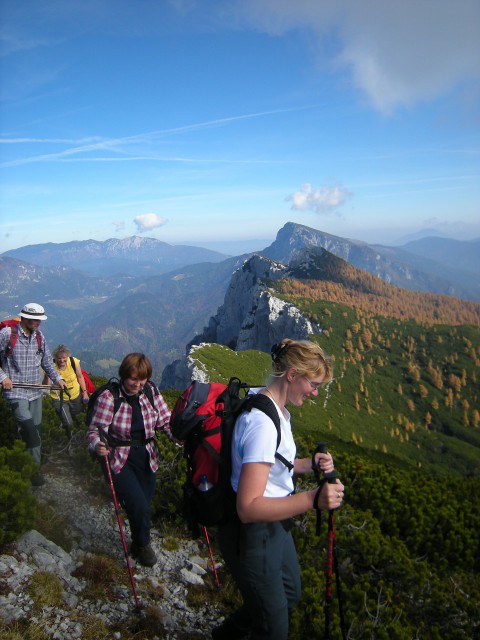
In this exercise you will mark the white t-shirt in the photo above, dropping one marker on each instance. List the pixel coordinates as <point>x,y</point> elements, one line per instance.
<point>255,440</point>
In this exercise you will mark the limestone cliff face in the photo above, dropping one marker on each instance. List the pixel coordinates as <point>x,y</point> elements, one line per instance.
<point>251,317</point>
<point>247,285</point>
<point>269,321</point>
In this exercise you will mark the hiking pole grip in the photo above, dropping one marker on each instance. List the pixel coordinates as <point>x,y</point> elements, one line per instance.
<point>331,476</point>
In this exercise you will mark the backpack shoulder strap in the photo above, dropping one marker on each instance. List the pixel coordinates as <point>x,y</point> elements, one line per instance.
<point>72,363</point>
<point>14,337</point>
<point>114,387</point>
<point>149,389</point>
<point>12,340</point>
<point>39,336</point>
<point>265,404</point>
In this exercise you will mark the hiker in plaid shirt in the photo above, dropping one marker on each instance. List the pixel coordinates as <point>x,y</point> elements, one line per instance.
<point>26,364</point>
<point>125,439</point>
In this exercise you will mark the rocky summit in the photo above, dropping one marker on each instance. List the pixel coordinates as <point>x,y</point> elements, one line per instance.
<point>92,524</point>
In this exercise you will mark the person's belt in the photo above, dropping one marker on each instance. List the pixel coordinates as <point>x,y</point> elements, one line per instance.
<point>134,442</point>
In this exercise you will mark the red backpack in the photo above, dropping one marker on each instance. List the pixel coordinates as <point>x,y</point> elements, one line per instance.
<point>204,418</point>
<point>13,324</point>
<point>89,386</point>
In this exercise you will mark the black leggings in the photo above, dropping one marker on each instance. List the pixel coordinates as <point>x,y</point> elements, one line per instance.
<point>135,486</point>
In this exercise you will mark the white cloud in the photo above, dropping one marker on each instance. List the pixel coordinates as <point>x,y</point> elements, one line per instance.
<point>119,226</point>
<point>323,199</point>
<point>149,221</point>
<point>397,53</point>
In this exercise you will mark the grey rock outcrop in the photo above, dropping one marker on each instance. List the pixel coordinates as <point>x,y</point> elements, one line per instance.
<point>241,300</point>
<point>269,321</point>
<point>251,317</point>
<point>91,523</point>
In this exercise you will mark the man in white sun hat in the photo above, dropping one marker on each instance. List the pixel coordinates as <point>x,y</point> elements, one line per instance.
<point>24,358</point>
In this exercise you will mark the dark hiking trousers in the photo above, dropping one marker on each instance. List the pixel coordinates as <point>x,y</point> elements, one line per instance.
<point>68,410</point>
<point>264,564</point>
<point>135,486</point>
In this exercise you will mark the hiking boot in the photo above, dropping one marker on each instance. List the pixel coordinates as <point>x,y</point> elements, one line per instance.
<point>38,479</point>
<point>146,556</point>
<point>230,630</point>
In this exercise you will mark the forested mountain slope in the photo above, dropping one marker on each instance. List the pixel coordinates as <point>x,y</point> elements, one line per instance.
<point>407,535</point>
<point>406,364</point>
<point>322,275</point>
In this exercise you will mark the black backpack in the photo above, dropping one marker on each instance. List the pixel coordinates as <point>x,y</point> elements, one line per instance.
<point>204,419</point>
<point>113,385</point>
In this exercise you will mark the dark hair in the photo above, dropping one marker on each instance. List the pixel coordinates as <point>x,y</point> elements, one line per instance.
<point>307,357</point>
<point>135,364</point>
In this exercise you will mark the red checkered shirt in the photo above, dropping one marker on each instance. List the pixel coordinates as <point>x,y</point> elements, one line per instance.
<point>154,418</point>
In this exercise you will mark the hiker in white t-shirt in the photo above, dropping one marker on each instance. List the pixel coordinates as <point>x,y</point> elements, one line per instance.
<point>258,546</point>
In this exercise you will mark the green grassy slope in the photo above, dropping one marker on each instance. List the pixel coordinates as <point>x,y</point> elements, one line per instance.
<point>403,392</point>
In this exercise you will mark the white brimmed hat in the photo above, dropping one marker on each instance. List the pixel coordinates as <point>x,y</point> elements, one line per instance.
<point>33,311</point>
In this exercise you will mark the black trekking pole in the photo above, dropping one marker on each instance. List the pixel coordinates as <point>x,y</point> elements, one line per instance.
<point>217,581</point>
<point>31,385</point>
<point>122,534</point>
<point>332,560</point>
<point>66,424</point>
<point>62,413</point>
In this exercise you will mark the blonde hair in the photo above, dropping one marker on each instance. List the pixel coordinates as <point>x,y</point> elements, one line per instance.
<point>307,357</point>
<point>62,348</point>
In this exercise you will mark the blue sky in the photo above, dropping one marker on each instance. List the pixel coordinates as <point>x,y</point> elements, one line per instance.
<point>197,121</point>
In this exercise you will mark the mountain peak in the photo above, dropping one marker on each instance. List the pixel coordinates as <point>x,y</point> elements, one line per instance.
<point>134,256</point>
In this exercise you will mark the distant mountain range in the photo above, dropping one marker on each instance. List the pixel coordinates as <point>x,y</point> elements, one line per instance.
<point>105,299</point>
<point>135,256</point>
<point>102,319</point>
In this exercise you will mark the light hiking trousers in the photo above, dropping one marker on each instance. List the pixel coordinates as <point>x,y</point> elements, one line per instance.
<point>263,561</point>
<point>28,416</point>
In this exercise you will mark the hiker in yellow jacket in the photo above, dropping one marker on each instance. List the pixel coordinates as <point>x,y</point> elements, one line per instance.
<point>69,368</point>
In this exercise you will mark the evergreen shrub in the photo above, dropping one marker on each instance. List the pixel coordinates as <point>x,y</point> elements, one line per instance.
<point>16,501</point>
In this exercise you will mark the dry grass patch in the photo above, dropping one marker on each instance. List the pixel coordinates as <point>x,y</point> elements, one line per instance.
<point>103,575</point>
<point>45,590</point>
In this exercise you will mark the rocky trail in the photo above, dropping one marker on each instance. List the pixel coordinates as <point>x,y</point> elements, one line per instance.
<point>91,523</point>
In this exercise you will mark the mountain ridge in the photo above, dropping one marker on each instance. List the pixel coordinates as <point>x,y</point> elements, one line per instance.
<point>102,317</point>
<point>392,264</point>
<point>134,255</point>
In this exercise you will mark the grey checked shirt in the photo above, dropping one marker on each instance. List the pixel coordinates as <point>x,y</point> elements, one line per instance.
<point>25,365</point>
